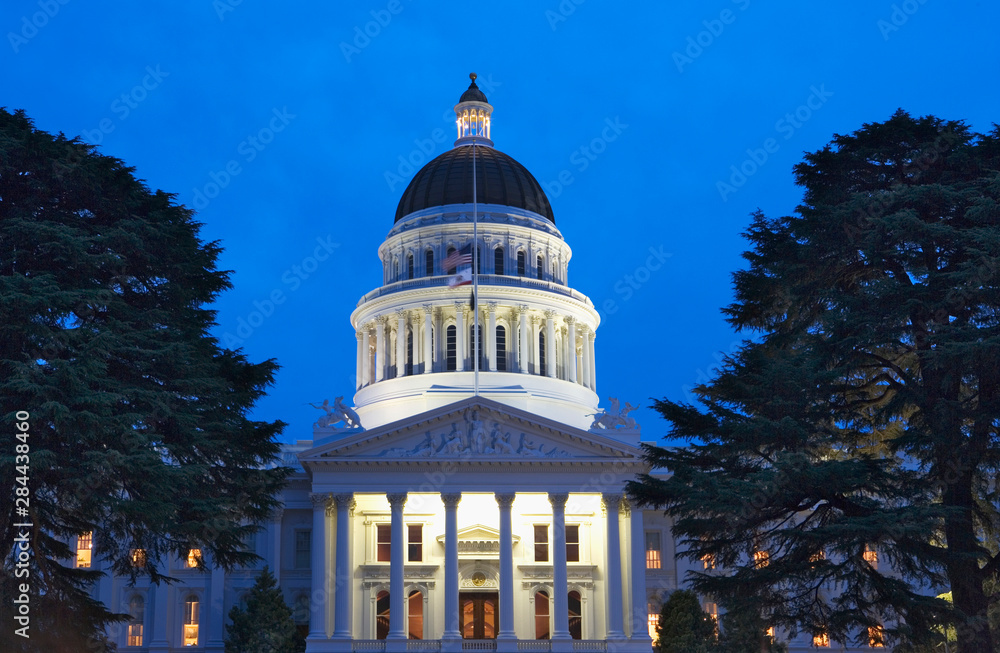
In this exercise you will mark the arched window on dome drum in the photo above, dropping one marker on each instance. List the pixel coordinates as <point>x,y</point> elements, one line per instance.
<point>453,269</point>
<point>409,352</point>
<point>382,615</point>
<point>479,260</point>
<point>540,268</point>
<point>429,262</point>
<point>542,630</point>
<point>501,348</point>
<point>520,263</point>
<point>498,260</point>
<point>450,358</point>
<point>136,610</point>
<point>415,615</point>
<point>472,335</point>
<point>541,354</point>
<point>575,615</point>
<point>409,266</point>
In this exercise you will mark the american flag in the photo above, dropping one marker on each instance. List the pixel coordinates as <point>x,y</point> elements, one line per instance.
<point>458,258</point>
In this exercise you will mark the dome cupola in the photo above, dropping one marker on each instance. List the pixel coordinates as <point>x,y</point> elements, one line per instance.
<point>473,116</point>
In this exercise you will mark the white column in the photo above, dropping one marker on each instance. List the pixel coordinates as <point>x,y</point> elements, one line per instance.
<point>550,342</point>
<point>216,611</point>
<point>397,627</point>
<point>342,588</point>
<point>459,336</point>
<point>585,332</point>
<point>640,614</point>
<point>400,344</point>
<point>360,363</point>
<point>317,617</point>
<point>160,613</point>
<point>536,347</point>
<point>612,502</point>
<point>452,618</point>
<point>428,329</point>
<point>522,356</point>
<point>571,337</point>
<point>560,587</point>
<point>505,501</point>
<point>380,366</point>
<point>491,337</point>
<point>593,361</point>
<point>366,368</point>
<point>276,542</point>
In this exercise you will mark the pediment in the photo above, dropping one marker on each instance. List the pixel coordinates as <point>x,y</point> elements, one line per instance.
<point>475,430</point>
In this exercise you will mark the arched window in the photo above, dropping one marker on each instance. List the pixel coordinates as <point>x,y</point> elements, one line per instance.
<point>479,260</point>
<point>542,616</point>
<point>498,260</point>
<point>452,269</point>
<point>136,610</point>
<point>382,615</point>
<point>521,263</point>
<point>472,345</point>
<point>429,262</point>
<point>192,618</point>
<point>541,354</point>
<point>409,352</point>
<point>415,616</point>
<point>575,615</point>
<point>409,266</point>
<point>450,357</point>
<point>501,348</point>
<point>540,268</point>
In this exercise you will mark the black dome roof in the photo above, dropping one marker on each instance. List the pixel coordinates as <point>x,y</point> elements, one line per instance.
<point>499,180</point>
<point>473,94</point>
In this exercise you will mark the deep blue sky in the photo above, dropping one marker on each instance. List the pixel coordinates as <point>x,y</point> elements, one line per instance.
<point>216,72</point>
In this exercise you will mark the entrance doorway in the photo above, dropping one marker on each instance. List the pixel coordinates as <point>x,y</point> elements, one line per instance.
<point>479,615</point>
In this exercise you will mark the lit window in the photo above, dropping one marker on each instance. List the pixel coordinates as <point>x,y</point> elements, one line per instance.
<point>761,559</point>
<point>138,557</point>
<point>191,620</point>
<point>415,543</point>
<point>383,542</point>
<point>713,611</point>
<point>84,548</point>
<point>819,555</point>
<point>415,615</point>
<point>770,633</point>
<point>194,556</point>
<point>572,543</point>
<point>876,637</point>
<point>382,615</point>
<point>541,543</point>
<point>136,610</point>
<point>821,640</point>
<point>653,552</point>
<point>541,615</point>
<point>303,549</point>
<point>871,556</point>
<point>652,623</point>
<point>708,560</point>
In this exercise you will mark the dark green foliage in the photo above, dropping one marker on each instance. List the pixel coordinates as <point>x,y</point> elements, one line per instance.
<point>138,419</point>
<point>684,627</point>
<point>266,626</point>
<point>745,631</point>
<point>864,410</point>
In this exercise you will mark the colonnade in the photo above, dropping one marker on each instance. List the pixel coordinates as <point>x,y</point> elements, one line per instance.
<point>410,342</point>
<point>338,586</point>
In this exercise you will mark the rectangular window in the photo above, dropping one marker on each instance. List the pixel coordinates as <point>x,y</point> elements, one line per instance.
<point>134,635</point>
<point>653,556</point>
<point>303,549</point>
<point>138,557</point>
<point>415,543</point>
<point>383,542</point>
<point>761,559</point>
<point>876,637</point>
<point>871,556</point>
<point>821,640</point>
<point>194,555</point>
<point>541,543</point>
<point>708,560</point>
<point>192,619</point>
<point>84,548</point>
<point>572,543</point>
<point>652,622</point>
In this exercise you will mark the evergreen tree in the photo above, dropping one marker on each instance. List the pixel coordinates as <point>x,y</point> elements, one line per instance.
<point>266,626</point>
<point>857,429</point>
<point>136,418</point>
<point>745,631</point>
<point>684,627</point>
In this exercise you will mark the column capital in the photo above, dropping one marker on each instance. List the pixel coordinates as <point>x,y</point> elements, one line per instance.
<point>612,502</point>
<point>491,307</point>
<point>558,500</point>
<point>550,314</point>
<point>277,514</point>
<point>570,319</point>
<point>505,500</point>
<point>460,306</point>
<point>381,319</point>
<point>396,500</point>
<point>535,320</point>
<point>428,309</point>
<point>320,499</point>
<point>451,500</point>
<point>359,333</point>
<point>522,308</point>
<point>345,499</point>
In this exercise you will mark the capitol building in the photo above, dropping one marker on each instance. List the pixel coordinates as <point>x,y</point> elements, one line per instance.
<point>470,497</point>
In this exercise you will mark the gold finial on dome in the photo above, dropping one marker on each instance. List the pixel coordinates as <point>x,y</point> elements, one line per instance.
<point>473,76</point>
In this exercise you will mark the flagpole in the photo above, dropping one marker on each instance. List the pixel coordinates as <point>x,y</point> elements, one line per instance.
<point>475,273</point>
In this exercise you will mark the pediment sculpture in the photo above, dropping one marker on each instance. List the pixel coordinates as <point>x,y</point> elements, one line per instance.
<point>337,413</point>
